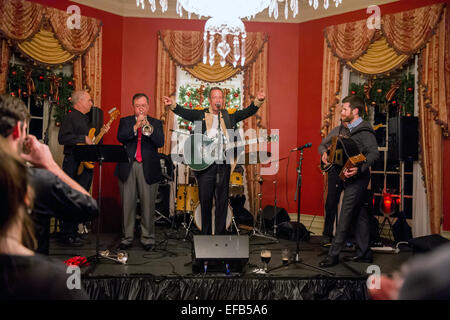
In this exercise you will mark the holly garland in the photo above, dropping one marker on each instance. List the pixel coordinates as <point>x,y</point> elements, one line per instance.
<point>42,84</point>
<point>191,97</point>
<point>392,92</point>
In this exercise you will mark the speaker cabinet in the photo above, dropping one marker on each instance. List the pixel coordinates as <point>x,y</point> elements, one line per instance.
<point>220,253</point>
<point>403,139</point>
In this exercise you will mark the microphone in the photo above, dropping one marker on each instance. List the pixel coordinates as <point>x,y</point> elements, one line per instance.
<point>308,145</point>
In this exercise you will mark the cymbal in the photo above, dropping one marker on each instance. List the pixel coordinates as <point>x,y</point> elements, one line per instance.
<point>254,157</point>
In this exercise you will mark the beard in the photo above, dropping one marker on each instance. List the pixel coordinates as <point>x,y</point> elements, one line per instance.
<point>348,118</point>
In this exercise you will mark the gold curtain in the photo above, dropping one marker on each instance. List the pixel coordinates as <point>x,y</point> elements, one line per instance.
<point>22,20</point>
<point>45,48</point>
<point>5,52</point>
<point>212,73</point>
<point>433,116</point>
<point>424,31</point>
<point>185,48</point>
<point>379,58</point>
<point>350,40</point>
<point>409,31</point>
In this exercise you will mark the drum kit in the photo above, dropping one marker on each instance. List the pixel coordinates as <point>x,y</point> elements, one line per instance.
<point>188,202</point>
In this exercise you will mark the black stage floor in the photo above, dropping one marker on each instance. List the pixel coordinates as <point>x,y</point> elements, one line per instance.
<point>166,272</point>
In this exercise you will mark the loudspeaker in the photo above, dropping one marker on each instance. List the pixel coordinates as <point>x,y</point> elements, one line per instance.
<point>403,139</point>
<point>96,119</point>
<point>268,215</point>
<point>220,253</point>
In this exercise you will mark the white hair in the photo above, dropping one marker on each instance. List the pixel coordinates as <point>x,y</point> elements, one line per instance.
<point>77,95</point>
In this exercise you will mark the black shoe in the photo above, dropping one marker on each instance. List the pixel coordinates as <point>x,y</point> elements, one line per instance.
<point>125,246</point>
<point>148,247</point>
<point>329,261</point>
<point>361,259</point>
<point>72,242</point>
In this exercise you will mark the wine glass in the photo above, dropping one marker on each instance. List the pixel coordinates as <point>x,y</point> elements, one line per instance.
<point>266,255</point>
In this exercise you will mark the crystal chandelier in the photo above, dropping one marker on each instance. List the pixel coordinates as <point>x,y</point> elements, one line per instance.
<point>225,20</point>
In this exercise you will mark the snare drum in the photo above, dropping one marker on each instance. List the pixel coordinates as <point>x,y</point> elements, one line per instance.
<point>191,198</point>
<point>198,217</point>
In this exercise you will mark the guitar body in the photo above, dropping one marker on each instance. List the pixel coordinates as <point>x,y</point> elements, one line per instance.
<point>199,152</point>
<point>96,139</point>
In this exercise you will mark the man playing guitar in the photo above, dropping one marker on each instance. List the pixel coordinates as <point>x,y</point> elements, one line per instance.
<point>214,180</point>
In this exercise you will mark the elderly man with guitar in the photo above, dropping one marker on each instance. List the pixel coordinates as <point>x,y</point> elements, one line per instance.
<point>75,130</point>
<point>219,127</point>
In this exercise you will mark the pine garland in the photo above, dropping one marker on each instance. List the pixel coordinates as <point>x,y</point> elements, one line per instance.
<point>44,81</point>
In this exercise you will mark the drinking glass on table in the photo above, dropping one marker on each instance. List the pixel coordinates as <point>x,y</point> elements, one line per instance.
<point>266,255</point>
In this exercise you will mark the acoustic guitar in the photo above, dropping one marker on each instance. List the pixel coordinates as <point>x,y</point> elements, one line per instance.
<point>114,114</point>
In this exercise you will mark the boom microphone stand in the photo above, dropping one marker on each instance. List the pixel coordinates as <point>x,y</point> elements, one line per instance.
<point>297,259</point>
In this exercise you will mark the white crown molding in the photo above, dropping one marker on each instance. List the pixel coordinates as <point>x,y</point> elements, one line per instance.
<point>128,8</point>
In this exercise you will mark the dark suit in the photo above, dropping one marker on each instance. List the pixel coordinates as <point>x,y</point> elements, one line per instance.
<point>208,186</point>
<point>139,178</point>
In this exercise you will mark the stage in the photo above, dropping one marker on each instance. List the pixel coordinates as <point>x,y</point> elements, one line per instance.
<point>166,272</point>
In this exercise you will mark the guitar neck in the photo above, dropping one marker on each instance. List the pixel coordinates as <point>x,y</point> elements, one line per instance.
<point>243,143</point>
<point>102,132</point>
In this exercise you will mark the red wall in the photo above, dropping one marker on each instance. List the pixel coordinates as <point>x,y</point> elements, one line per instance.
<point>310,92</point>
<point>295,81</point>
<point>139,75</point>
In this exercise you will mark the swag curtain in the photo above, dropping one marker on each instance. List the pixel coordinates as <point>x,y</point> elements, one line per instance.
<point>185,49</point>
<point>32,28</point>
<point>424,31</point>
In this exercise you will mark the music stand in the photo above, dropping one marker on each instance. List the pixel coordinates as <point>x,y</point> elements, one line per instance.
<point>99,153</point>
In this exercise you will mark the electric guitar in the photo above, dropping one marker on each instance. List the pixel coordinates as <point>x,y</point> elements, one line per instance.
<point>200,151</point>
<point>114,114</point>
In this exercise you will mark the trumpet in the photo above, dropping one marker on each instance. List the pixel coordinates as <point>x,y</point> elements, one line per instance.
<point>147,128</point>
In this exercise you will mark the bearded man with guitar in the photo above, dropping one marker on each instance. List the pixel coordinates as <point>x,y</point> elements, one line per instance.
<point>221,126</point>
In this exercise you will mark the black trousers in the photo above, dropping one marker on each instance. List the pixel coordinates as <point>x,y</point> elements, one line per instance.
<point>335,188</point>
<point>214,182</point>
<point>70,166</point>
<point>352,213</point>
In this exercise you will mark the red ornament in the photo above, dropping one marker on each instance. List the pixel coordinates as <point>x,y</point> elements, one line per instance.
<point>189,128</point>
<point>410,89</point>
<point>14,73</point>
<point>13,94</point>
<point>353,92</point>
<point>44,96</point>
<point>70,83</point>
<point>394,102</point>
<point>188,94</point>
<point>41,77</point>
<point>236,95</point>
<point>379,90</point>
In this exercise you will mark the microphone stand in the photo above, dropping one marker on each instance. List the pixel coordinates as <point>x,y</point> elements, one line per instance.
<point>297,259</point>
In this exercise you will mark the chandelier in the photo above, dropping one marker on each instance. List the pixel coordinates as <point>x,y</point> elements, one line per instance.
<point>225,20</point>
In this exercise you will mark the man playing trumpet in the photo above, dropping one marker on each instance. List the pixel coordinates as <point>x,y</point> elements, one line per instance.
<point>141,136</point>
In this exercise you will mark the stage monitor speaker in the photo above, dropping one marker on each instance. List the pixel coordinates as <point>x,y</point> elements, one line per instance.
<point>220,253</point>
<point>403,139</point>
<point>268,215</point>
<point>427,243</point>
